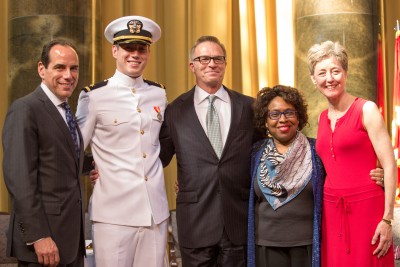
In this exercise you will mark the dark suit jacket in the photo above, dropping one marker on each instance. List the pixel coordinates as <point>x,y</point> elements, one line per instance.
<point>41,172</point>
<point>213,194</point>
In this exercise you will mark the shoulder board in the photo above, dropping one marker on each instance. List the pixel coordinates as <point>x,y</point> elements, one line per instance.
<point>95,86</point>
<point>154,83</point>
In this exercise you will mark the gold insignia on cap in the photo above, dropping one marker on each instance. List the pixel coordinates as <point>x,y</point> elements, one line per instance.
<point>135,26</point>
<point>132,29</point>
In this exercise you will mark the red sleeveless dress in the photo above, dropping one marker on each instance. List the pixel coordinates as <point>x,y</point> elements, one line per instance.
<point>353,204</point>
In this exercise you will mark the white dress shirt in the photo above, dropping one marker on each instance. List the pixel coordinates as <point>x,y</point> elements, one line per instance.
<point>222,105</point>
<point>55,100</point>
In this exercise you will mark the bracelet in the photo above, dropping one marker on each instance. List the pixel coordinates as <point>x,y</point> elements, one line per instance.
<point>389,222</point>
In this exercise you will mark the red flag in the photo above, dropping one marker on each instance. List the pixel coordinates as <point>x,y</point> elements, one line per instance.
<point>396,106</point>
<point>396,90</point>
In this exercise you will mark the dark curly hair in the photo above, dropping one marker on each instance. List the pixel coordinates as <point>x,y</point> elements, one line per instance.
<point>289,94</point>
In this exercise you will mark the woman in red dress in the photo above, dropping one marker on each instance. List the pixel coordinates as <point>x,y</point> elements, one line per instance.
<point>357,214</point>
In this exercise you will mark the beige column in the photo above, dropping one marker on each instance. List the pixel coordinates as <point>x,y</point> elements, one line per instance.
<point>32,23</point>
<point>35,22</point>
<point>4,200</point>
<point>355,24</point>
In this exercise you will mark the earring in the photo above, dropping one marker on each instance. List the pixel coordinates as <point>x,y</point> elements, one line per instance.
<point>267,133</point>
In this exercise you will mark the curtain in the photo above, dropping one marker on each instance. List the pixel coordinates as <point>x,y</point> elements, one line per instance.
<point>247,28</point>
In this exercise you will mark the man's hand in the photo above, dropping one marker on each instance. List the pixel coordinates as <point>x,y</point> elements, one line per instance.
<point>176,187</point>
<point>94,175</point>
<point>377,176</point>
<point>47,252</point>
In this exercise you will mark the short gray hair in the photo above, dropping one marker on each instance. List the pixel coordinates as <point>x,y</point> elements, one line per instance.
<point>319,52</point>
<point>207,38</point>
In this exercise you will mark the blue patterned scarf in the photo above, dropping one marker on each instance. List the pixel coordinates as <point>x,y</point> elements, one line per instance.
<point>282,177</point>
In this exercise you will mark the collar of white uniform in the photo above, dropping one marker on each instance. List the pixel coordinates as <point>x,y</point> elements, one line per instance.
<point>126,80</point>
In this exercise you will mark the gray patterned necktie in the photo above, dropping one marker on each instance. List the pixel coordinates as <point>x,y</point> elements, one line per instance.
<point>213,127</point>
<point>71,125</point>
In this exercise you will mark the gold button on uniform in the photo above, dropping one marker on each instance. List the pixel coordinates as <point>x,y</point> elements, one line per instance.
<point>144,155</point>
<point>146,178</point>
<point>142,132</point>
<point>133,90</point>
<point>139,110</point>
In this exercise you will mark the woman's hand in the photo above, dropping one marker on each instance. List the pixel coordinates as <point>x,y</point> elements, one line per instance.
<point>384,233</point>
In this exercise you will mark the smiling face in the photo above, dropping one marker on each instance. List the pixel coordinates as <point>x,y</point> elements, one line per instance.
<point>62,72</point>
<point>330,78</point>
<point>208,76</point>
<point>131,58</point>
<point>284,129</point>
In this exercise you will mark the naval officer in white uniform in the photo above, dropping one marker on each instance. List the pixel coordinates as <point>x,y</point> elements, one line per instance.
<point>121,118</point>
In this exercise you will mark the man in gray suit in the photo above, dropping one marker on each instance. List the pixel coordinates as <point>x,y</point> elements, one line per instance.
<point>213,174</point>
<point>43,154</point>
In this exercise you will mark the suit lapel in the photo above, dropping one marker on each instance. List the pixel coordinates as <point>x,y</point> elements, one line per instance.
<point>81,147</point>
<point>193,121</point>
<point>236,116</point>
<point>59,121</point>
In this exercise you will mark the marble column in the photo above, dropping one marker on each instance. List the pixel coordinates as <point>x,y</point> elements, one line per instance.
<point>35,22</point>
<point>355,24</point>
<point>32,23</point>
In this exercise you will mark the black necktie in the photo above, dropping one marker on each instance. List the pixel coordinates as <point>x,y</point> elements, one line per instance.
<point>71,125</point>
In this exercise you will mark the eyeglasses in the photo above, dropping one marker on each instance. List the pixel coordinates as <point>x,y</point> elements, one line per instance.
<point>206,59</point>
<point>276,115</point>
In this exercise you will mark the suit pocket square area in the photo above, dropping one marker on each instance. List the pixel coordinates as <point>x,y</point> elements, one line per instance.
<point>53,208</point>
<point>186,197</point>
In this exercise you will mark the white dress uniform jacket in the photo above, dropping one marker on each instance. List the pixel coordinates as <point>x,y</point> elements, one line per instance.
<point>121,118</point>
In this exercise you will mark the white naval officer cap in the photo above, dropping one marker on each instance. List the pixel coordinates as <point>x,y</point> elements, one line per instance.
<point>132,29</point>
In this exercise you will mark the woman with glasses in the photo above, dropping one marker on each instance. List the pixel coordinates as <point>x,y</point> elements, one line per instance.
<point>287,182</point>
<point>357,214</point>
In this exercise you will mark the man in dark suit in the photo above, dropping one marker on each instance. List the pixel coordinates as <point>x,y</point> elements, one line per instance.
<point>43,154</point>
<point>213,177</point>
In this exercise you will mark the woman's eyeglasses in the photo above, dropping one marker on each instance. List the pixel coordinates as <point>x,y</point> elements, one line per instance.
<point>276,115</point>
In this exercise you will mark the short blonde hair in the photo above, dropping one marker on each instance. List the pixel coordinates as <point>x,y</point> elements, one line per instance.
<point>319,52</point>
